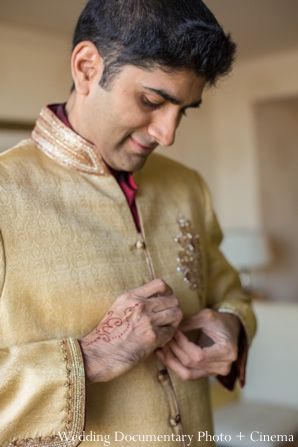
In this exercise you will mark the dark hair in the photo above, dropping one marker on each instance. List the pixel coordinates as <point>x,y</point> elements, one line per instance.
<point>169,34</point>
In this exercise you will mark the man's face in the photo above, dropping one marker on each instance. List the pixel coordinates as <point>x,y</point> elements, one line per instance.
<point>139,111</point>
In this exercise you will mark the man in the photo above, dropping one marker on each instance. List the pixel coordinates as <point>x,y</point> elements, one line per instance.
<point>94,347</point>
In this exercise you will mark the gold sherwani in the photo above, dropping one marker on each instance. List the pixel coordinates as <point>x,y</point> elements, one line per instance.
<point>68,248</point>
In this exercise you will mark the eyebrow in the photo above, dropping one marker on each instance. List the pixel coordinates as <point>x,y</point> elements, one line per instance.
<point>168,97</point>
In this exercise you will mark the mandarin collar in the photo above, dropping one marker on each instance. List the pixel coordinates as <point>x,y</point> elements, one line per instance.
<point>65,146</point>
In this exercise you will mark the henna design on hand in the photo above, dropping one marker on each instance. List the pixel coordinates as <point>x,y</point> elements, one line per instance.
<point>111,323</point>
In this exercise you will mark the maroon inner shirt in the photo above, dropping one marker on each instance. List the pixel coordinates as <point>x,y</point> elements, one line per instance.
<point>124,179</point>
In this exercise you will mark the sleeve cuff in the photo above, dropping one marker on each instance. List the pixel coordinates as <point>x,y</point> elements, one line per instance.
<point>70,410</point>
<point>75,395</point>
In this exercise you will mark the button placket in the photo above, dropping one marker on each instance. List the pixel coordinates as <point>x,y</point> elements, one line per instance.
<point>175,418</point>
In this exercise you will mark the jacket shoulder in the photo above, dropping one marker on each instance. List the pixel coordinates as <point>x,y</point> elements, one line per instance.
<point>24,155</point>
<point>19,165</point>
<point>168,165</point>
<point>25,149</point>
<point>163,170</point>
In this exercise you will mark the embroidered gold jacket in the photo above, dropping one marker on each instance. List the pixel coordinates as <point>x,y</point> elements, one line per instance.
<point>68,249</point>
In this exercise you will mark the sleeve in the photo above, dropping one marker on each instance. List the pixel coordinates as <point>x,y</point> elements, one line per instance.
<point>224,293</point>
<point>42,390</point>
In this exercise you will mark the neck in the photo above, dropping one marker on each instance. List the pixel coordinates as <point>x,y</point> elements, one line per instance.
<point>70,110</point>
<point>74,110</point>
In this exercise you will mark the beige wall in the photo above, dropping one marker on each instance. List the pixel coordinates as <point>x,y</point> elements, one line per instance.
<point>234,125</point>
<point>277,132</point>
<point>34,71</point>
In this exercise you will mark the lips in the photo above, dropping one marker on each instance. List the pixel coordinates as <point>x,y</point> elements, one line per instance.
<point>143,148</point>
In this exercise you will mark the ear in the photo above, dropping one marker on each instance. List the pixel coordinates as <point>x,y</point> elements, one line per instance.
<point>86,66</point>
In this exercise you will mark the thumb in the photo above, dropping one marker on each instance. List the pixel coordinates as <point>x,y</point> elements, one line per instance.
<point>194,322</point>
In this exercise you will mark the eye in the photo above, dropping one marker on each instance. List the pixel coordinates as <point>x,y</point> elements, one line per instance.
<point>150,104</point>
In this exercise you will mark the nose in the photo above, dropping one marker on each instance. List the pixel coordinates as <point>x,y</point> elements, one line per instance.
<point>163,129</point>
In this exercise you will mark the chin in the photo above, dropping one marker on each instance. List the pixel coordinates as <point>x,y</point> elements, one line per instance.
<point>136,166</point>
<point>131,164</point>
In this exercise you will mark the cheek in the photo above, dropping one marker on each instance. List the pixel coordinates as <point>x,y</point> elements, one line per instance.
<point>130,113</point>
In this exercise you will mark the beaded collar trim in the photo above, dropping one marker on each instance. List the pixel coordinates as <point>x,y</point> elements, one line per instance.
<point>65,146</point>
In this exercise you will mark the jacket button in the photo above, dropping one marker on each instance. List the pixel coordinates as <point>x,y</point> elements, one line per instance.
<point>162,375</point>
<point>175,421</point>
<point>178,418</point>
<point>140,244</point>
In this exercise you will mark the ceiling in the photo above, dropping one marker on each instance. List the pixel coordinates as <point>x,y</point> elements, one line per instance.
<point>258,26</point>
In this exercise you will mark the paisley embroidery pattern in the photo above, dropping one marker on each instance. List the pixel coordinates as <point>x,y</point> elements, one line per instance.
<point>189,255</point>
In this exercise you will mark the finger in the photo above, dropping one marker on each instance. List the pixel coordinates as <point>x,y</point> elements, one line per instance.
<point>164,335</point>
<point>189,324</point>
<point>168,317</point>
<point>204,318</point>
<point>169,360</point>
<point>153,288</point>
<point>179,353</point>
<point>188,352</point>
<point>217,353</point>
<point>160,303</point>
<point>211,358</point>
<point>217,368</point>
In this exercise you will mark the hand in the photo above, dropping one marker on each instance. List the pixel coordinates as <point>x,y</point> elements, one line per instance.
<point>215,351</point>
<point>138,322</point>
